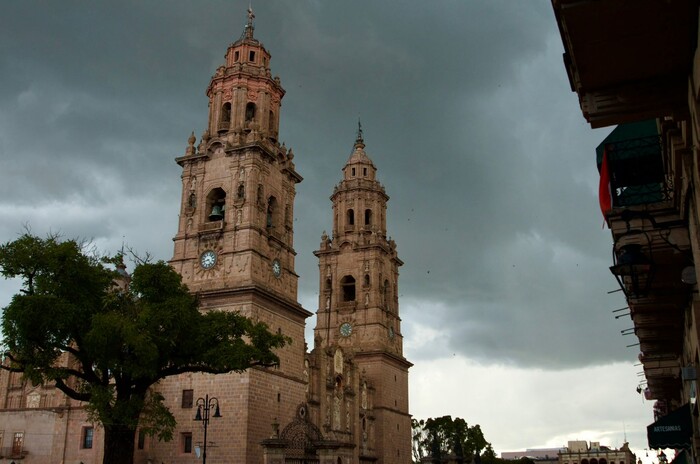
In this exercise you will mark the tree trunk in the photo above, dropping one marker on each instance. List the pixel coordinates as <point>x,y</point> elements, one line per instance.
<point>119,445</point>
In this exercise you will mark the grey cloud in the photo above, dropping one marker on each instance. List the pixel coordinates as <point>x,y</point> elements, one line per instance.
<point>467,115</point>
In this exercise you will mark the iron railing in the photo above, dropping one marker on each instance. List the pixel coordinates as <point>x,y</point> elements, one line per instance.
<point>636,172</point>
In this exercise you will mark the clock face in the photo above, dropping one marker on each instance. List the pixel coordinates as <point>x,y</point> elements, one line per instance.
<point>208,259</point>
<point>346,329</point>
<point>276,268</point>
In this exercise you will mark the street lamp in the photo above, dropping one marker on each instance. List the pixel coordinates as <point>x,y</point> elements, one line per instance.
<point>204,407</point>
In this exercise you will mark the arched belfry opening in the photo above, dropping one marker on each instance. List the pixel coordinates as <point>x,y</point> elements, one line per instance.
<point>347,284</point>
<point>368,217</point>
<point>216,204</point>
<point>225,119</point>
<point>250,112</point>
<point>351,218</point>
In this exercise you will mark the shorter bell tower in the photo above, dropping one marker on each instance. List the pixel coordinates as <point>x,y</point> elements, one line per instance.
<point>358,321</point>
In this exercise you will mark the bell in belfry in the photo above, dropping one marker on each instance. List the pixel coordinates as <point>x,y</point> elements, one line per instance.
<point>217,213</point>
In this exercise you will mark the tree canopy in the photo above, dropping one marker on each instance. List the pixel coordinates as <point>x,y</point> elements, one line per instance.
<point>77,323</point>
<point>443,437</point>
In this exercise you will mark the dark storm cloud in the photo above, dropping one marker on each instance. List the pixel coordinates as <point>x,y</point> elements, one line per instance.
<point>467,114</point>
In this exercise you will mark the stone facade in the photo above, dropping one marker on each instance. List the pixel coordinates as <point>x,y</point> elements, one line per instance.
<point>346,401</point>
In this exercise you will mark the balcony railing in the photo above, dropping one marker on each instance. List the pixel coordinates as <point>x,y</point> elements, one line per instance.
<point>636,172</point>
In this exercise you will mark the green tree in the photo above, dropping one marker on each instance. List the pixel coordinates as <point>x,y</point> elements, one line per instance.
<point>443,437</point>
<point>106,344</point>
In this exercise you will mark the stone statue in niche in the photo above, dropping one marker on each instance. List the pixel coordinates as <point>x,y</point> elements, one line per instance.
<point>347,416</point>
<point>364,395</point>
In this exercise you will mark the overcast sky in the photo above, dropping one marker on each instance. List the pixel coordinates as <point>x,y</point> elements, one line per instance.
<point>469,117</point>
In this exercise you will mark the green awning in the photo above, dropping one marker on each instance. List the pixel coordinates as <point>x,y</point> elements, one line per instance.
<point>674,430</point>
<point>628,131</point>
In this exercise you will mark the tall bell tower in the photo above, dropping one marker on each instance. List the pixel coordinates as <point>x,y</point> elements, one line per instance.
<point>358,318</point>
<point>234,248</point>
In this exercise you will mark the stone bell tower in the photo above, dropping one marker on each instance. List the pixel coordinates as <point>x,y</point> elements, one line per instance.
<point>358,328</point>
<point>234,248</point>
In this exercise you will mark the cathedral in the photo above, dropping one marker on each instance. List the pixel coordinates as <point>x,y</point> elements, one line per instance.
<point>343,401</point>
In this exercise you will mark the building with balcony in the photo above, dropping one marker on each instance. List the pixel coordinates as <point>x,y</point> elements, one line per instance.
<point>635,65</point>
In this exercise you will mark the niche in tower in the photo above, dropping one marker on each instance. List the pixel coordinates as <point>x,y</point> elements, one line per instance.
<point>271,218</point>
<point>216,205</point>
<point>347,286</point>
<point>225,119</point>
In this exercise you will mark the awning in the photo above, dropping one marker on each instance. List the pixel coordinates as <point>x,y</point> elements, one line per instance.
<point>674,430</point>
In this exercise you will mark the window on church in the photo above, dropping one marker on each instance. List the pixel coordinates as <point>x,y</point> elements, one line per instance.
<point>236,56</point>
<point>17,443</point>
<point>351,217</point>
<point>250,112</point>
<point>347,284</point>
<point>186,442</point>
<point>88,435</point>
<point>251,56</point>
<point>368,217</point>
<point>353,172</point>
<point>364,172</point>
<point>187,398</point>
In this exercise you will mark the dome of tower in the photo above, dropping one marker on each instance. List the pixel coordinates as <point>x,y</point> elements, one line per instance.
<point>359,155</point>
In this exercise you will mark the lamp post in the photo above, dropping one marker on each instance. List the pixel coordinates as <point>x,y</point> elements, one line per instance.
<point>204,407</point>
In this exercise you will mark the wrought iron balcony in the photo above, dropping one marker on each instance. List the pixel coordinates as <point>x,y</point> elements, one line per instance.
<point>636,172</point>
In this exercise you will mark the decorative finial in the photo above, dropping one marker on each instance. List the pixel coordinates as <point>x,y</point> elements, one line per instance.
<point>359,141</point>
<point>248,32</point>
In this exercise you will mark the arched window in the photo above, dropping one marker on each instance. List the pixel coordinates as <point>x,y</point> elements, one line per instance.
<point>351,217</point>
<point>368,217</point>
<point>347,284</point>
<point>250,112</point>
<point>225,119</point>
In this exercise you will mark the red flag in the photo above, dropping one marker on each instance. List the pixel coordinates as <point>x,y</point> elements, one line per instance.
<point>604,192</point>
